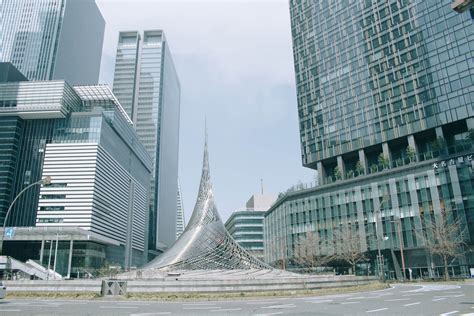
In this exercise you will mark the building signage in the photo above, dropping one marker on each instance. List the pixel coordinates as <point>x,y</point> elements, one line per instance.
<point>9,232</point>
<point>453,161</point>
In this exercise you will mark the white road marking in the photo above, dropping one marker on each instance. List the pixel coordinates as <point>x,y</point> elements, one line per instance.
<point>448,313</point>
<point>413,294</point>
<point>428,288</point>
<point>460,295</point>
<point>377,310</point>
<point>227,310</point>
<point>200,307</point>
<point>453,292</point>
<point>317,302</point>
<point>397,299</point>
<point>32,305</point>
<point>412,304</point>
<point>438,299</point>
<point>280,306</point>
<point>151,314</point>
<point>10,310</point>
<point>261,302</point>
<point>357,298</point>
<point>198,304</point>
<point>345,303</point>
<point>118,307</point>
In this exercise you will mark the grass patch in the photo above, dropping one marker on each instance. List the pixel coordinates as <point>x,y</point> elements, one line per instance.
<point>162,296</point>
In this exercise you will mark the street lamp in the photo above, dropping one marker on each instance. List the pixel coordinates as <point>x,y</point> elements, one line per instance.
<point>44,181</point>
<point>380,260</point>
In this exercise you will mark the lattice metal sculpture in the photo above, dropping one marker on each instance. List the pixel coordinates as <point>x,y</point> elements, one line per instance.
<point>205,243</point>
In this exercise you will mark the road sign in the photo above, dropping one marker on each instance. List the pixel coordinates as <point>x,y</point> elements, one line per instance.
<point>9,232</point>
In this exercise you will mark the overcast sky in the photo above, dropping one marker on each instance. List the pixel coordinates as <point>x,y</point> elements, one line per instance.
<point>235,65</point>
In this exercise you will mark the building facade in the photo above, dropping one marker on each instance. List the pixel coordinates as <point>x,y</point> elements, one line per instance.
<point>146,83</point>
<point>81,138</point>
<point>246,226</point>
<point>53,39</point>
<point>8,73</point>
<point>385,104</point>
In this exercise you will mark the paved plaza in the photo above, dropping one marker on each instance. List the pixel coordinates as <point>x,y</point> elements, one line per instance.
<point>431,299</point>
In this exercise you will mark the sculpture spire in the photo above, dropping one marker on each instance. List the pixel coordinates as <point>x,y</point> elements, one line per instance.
<point>205,243</point>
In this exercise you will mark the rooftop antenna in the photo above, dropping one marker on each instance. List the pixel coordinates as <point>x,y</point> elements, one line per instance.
<point>261,185</point>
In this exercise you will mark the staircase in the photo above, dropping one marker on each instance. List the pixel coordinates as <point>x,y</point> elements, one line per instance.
<point>29,268</point>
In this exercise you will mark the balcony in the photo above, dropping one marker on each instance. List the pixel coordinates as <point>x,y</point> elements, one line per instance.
<point>461,6</point>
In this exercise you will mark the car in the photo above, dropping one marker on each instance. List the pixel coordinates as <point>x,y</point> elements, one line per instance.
<point>3,290</point>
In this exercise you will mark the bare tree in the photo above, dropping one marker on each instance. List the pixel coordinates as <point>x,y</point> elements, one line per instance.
<point>310,252</point>
<point>445,238</point>
<point>277,247</point>
<point>347,246</point>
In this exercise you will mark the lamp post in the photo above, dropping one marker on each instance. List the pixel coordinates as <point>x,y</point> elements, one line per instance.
<point>380,259</point>
<point>44,181</point>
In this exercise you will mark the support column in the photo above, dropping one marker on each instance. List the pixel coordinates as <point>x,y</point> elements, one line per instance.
<point>321,172</point>
<point>69,262</point>
<point>387,153</point>
<point>470,123</point>
<point>341,166</point>
<point>439,132</point>
<point>128,244</point>
<point>49,259</point>
<point>55,255</point>
<point>363,161</point>
<point>412,144</point>
<point>42,250</point>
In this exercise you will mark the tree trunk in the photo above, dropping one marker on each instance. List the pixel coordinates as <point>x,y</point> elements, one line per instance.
<point>446,272</point>
<point>354,268</point>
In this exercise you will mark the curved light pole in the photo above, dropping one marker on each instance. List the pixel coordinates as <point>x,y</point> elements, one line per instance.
<point>44,181</point>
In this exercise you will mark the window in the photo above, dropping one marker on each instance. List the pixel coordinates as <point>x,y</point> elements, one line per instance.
<point>53,196</point>
<point>52,208</point>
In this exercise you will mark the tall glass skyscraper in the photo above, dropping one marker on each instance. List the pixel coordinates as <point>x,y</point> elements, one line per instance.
<point>147,86</point>
<point>385,104</point>
<point>53,39</point>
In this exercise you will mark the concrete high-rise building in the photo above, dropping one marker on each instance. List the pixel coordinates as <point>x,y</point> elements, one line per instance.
<point>53,39</point>
<point>100,174</point>
<point>246,226</point>
<point>147,86</point>
<point>180,220</point>
<point>385,103</point>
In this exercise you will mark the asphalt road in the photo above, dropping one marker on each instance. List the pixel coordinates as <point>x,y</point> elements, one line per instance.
<point>431,299</point>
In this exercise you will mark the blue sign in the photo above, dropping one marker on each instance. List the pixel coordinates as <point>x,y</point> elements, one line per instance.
<point>9,232</point>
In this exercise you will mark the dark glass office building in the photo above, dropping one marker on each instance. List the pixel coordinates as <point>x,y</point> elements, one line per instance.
<point>53,39</point>
<point>385,104</point>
